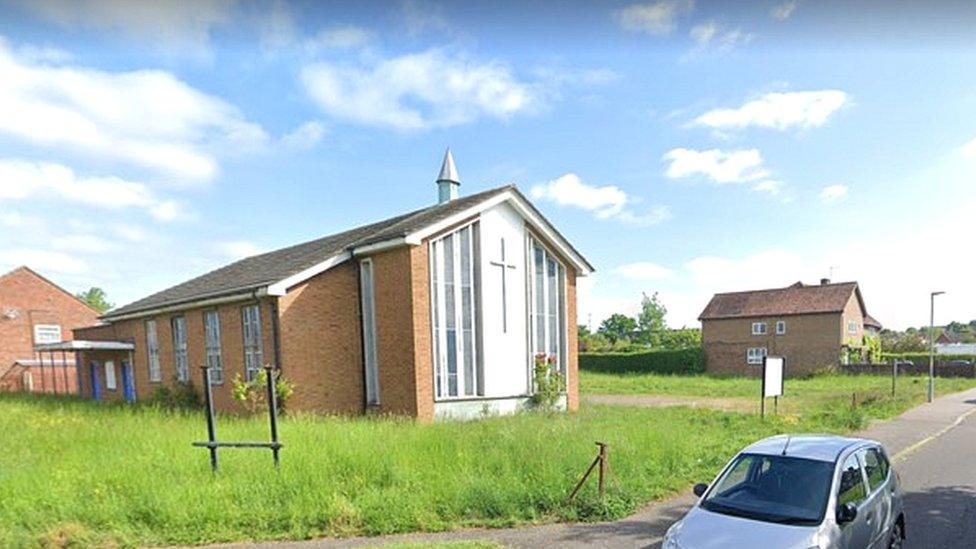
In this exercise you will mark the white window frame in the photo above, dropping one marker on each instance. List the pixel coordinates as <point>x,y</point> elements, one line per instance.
<point>371,369</point>
<point>758,328</point>
<point>47,333</point>
<point>180,359</point>
<point>852,327</point>
<point>152,351</point>
<point>754,355</point>
<point>560,331</point>
<point>781,327</point>
<point>211,346</point>
<point>110,382</point>
<point>469,384</point>
<point>251,334</point>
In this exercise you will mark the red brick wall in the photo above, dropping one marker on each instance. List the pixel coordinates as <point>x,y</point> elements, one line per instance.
<point>321,342</point>
<point>572,344</point>
<point>36,301</point>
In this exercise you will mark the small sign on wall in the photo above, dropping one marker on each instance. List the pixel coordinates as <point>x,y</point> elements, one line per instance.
<point>774,368</point>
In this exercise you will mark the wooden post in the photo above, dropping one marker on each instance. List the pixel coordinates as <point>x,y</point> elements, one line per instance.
<point>602,456</point>
<point>894,374</point>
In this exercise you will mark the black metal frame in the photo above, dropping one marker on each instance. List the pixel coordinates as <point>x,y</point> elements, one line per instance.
<point>213,444</point>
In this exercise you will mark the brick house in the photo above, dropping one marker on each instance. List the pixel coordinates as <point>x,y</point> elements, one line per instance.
<point>435,313</point>
<point>34,311</point>
<point>810,325</point>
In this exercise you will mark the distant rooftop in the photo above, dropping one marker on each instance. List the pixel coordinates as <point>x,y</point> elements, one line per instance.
<point>798,299</point>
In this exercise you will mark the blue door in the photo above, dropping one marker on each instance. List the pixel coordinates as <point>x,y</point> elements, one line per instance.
<point>128,383</point>
<point>96,382</point>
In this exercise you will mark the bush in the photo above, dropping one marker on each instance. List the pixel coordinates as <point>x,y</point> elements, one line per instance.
<point>548,383</point>
<point>922,358</point>
<point>178,395</point>
<point>254,394</point>
<point>684,361</point>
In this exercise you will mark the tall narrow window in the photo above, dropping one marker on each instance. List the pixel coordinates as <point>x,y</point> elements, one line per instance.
<point>370,363</point>
<point>546,302</point>
<point>152,351</point>
<point>211,342</point>
<point>253,348</point>
<point>179,349</point>
<point>453,300</point>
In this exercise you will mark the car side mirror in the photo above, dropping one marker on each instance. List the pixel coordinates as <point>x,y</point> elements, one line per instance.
<point>846,513</point>
<point>700,489</point>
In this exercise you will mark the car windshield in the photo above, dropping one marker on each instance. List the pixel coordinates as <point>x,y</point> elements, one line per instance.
<point>781,489</point>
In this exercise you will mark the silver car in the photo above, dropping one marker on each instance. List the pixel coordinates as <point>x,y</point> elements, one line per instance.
<point>798,492</point>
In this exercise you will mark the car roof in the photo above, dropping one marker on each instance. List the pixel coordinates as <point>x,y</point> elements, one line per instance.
<point>817,447</point>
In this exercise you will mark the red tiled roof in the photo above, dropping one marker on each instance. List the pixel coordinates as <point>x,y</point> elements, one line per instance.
<point>798,299</point>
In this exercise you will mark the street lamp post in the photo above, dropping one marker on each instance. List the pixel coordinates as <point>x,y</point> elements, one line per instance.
<point>932,344</point>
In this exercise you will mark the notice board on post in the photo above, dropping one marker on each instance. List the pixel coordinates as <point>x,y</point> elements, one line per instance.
<point>773,367</point>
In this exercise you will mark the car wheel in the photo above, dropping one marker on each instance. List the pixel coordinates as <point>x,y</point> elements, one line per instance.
<point>897,537</point>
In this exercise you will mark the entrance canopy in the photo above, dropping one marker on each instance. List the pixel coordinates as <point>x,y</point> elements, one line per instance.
<point>81,345</point>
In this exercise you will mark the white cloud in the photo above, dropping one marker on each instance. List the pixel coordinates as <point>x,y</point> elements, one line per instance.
<point>418,91</point>
<point>769,186</point>
<point>419,16</point>
<point>969,149</point>
<point>606,202</point>
<point>147,118</point>
<point>780,111</point>
<point>653,17</point>
<point>305,136</point>
<point>833,193</point>
<point>713,35</point>
<point>82,243</point>
<point>339,38</point>
<point>46,181</point>
<point>782,12</point>
<point>42,260</point>
<point>643,270</point>
<point>238,249</point>
<point>170,25</point>
<point>131,233</point>
<point>719,166</point>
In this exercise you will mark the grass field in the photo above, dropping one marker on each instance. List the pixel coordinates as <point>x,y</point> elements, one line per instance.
<point>78,472</point>
<point>812,395</point>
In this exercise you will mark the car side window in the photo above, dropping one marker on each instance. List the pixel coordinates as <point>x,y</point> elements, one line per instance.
<point>875,467</point>
<point>851,483</point>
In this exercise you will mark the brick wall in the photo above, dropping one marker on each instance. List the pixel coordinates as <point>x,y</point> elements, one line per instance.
<point>321,342</point>
<point>572,344</point>
<point>33,300</point>
<point>231,341</point>
<point>811,342</point>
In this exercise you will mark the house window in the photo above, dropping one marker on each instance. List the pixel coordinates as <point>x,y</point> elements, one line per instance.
<point>47,333</point>
<point>253,349</point>
<point>852,327</point>
<point>453,303</point>
<point>110,383</point>
<point>179,349</point>
<point>152,350</point>
<point>758,328</point>
<point>368,305</point>
<point>211,344</point>
<point>780,327</point>
<point>546,305</point>
<point>755,355</point>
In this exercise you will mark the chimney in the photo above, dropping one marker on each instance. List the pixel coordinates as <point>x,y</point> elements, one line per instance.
<point>447,181</point>
<point>824,281</point>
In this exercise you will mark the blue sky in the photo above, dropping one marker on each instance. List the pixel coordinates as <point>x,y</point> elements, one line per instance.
<point>685,147</point>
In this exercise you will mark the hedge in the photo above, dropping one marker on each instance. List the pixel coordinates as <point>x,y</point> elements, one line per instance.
<point>682,361</point>
<point>922,357</point>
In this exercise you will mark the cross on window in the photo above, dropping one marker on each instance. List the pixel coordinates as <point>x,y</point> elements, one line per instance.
<point>504,269</point>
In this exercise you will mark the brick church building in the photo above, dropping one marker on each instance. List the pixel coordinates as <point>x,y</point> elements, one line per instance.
<point>436,313</point>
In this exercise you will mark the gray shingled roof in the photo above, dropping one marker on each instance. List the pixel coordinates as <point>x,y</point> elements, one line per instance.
<point>798,299</point>
<point>262,270</point>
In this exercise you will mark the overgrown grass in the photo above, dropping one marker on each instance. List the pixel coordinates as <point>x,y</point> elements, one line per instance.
<point>75,472</point>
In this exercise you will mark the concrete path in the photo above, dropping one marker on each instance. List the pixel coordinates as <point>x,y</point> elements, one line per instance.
<point>933,449</point>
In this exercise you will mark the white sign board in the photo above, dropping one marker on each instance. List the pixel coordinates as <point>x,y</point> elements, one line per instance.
<point>773,376</point>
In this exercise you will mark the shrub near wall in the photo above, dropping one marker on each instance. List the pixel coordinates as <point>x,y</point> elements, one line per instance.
<point>682,361</point>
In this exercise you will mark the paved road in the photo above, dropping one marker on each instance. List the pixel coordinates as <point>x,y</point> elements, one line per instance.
<point>940,484</point>
<point>935,453</point>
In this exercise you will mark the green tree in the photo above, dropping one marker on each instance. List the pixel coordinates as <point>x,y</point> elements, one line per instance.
<point>96,299</point>
<point>651,319</point>
<point>617,327</point>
